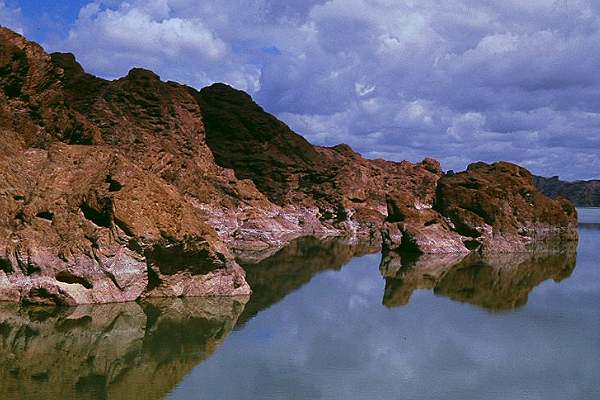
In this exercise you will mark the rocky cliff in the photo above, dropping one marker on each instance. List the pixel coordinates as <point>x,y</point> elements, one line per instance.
<point>117,190</point>
<point>487,208</point>
<point>581,193</point>
<point>98,184</point>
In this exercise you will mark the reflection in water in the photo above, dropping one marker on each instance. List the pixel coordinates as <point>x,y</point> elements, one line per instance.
<point>592,226</point>
<point>496,282</point>
<point>274,277</point>
<point>115,351</point>
<point>332,338</point>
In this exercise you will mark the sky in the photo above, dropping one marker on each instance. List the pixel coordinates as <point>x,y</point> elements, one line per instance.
<point>457,80</point>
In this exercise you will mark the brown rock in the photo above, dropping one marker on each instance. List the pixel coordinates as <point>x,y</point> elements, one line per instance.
<point>490,208</point>
<point>334,190</point>
<point>116,190</point>
<point>499,206</point>
<point>111,220</point>
<point>94,228</point>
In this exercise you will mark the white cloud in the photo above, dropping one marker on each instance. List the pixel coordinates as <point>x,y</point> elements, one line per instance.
<point>460,81</point>
<point>134,29</point>
<point>11,18</point>
<point>110,40</point>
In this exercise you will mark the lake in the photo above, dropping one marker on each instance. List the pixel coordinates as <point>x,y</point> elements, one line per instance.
<point>332,320</point>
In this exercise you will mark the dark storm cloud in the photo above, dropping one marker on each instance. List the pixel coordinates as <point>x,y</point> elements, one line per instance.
<point>458,80</point>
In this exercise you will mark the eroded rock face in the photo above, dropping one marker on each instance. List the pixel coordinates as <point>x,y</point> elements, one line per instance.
<point>116,351</point>
<point>88,226</point>
<point>499,207</point>
<point>495,282</point>
<point>95,197</point>
<point>325,190</point>
<point>118,190</point>
<point>489,208</point>
<point>159,126</point>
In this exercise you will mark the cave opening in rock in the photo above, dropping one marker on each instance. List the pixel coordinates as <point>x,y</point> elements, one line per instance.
<point>69,277</point>
<point>5,265</point>
<point>100,218</point>
<point>47,215</point>
<point>113,185</point>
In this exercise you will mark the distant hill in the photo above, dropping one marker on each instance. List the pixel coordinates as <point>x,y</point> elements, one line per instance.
<point>582,193</point>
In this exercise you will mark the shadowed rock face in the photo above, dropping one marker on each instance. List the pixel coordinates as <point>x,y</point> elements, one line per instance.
<point>581,193</point>
<point>119,351</point>
<point>112,191</point>
<point>234,124</point>
<point>346,191</point>
<point>495,282</point>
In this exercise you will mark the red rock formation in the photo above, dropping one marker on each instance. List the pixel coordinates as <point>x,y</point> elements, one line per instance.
<point>94,192</point>
<point>499,208</point>
<point>115,190</point>
<point>491,208</point>
<point>338,189</point>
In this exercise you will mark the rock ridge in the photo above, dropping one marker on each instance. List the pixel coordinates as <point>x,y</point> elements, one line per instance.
<point>118,190</point>
<point>581,193</point>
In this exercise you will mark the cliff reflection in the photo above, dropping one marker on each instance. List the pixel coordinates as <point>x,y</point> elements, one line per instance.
<point>115,351</point>
<point>499,282</point>
<point>274,276</point>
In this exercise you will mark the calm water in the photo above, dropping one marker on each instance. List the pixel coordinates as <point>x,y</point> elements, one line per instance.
<point>324,325</point>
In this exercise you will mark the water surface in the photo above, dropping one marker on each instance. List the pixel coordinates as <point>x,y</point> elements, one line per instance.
<point>328,320</point>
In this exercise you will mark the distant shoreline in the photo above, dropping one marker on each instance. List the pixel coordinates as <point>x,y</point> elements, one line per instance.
<point>581,193</point>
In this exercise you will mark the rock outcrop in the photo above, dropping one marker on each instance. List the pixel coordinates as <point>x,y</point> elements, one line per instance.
<point>82,224</point>
<point>580,193</point>
<point>499,207</point>
<point>117,190</point>
<point>320,190</point>
<point>348,193</point>
<point>97,186</point>
<point>489,208</point>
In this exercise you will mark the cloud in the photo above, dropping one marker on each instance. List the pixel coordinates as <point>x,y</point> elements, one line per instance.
<point>461,81</point>
<point>11,17</point>
<point>112,38</point>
